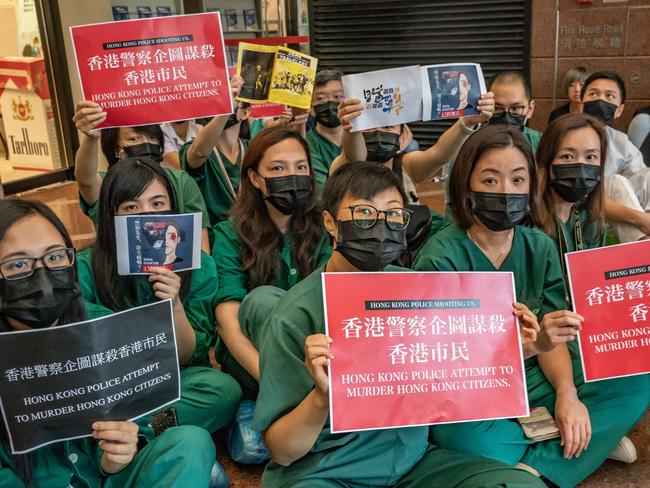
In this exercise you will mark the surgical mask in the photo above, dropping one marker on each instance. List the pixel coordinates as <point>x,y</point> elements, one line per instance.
<point>500,211</point>
<point>602,110</point>
<point>288,193</point>
<point>370,249</point>
<point>232,120</point>
<point>381,146</point>
<point>573,182</point>
<point>41,299</point>
<point>327,114</point>
<point>513,121</point>
<point>146,149</point>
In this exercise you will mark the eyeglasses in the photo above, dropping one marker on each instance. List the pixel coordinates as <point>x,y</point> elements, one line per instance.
<point>366,216</point>
<point>19,268</point>
<point>512,110</point>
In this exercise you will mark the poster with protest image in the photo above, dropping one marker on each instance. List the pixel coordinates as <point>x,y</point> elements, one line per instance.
<point>55,382</point>
<point>148,241</point>
<point>450,91</point>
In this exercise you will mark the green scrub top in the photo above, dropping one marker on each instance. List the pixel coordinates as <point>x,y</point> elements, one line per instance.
<point>256,126</point>
<point>217,189</point>
<point>533,137</point>
<point>233,280</point>
<point>187,191</point>
<point>198,302</point>
<point>591,237</point>
<point>380,457</point>
<point>323,152</point>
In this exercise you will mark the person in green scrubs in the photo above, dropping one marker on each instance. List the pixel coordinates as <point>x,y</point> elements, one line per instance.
<point>113,456</point>
<point>364,213</point>
<point>324,139</point>
<point>494,193</point>
<point>274,237</point>
<point>122,142</point>
<point>214,158</point>
<point>514,105</point>
<point>209,397</point>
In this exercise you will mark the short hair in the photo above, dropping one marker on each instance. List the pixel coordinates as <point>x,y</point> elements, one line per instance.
<point>323,77</point>
<point>604,75</point>
<point>359,179</point>
<point>488,138</point>
<point>577,73</point>
<point>509,77</point>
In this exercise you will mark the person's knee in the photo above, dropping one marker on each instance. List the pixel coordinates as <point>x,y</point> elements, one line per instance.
<point>190,441</point>
<point>503,478</point>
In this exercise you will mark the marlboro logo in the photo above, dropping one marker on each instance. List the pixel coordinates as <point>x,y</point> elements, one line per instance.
<point>22,110</point>
<point>27,147</point>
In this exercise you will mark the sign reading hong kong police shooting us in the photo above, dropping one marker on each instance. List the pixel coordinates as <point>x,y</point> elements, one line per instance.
<point>149,71</point>
<point>55,382</point>
<point>422,348</point>
<point>610,288</point>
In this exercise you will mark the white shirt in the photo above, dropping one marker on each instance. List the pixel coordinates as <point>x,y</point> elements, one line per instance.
<point>623,158</point>
<point>172,142</point>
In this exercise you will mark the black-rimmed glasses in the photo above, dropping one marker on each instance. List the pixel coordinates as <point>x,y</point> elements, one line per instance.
<point>22,267</point>
<point>366,216</point>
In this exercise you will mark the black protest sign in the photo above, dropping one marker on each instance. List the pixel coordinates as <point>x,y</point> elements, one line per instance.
<point>55,382</point>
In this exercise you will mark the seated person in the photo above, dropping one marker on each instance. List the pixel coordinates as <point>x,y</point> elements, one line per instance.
<point>293,405</point>
<point>214,158</point>
<point>494,193</point>
<point>639,132</point>
<point>572,86</point>
<point>209,397</point>
<point>176,134</point>
<point>122,142</point>
<point>514,104</point>
<point>627,178</point>
<point>113,457</point>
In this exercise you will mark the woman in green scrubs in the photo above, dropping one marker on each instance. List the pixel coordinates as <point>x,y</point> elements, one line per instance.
<point>493,190</point>
<point>208,397</point>
<point>293,405</point>
<point>112,457</point>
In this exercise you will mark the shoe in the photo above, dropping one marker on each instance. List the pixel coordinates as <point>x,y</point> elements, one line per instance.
<point>245,445</point>
<point>218,477</point>
<point>624,451</point>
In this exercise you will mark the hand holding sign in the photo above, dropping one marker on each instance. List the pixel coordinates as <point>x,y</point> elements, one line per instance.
<point>557,328</point>
<point>119,441</point>
<point>317,359</point>
<point>88,115</point>
<point>528,322</point>
<point>485,106</point>
<point>349,109</point>
<point>166,284</point>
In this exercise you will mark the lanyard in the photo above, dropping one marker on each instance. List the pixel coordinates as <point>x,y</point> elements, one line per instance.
<point>562,242</point>
<point>231,188</point>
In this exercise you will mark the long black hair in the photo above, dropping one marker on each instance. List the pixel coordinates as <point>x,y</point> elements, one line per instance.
<point>109,139</point>
<point>12,212</point>
<point>124,181</point>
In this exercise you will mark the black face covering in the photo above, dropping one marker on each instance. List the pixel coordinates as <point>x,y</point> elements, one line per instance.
<point>154,151</point>
<point>500,211</point>
<point>40,299</point>
<point>232,120</point>
<point>381,146</point>
<point>370,249</point>
<point>514,121</point>
<point>602,110</point>
<point>574,182</point>
<point>327,114</point>
<point>288,193</point>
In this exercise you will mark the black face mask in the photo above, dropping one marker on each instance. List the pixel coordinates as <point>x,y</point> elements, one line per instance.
<point>232,120</point>
<point>381,146</point>
<point>370,249</point>
<point>513,121</point>
<point>154,151</point>
<point>574,182</point>
<point>500,211</point>
<point>602,110</point>
<point>327,114</point>
<point>288,193</point>
<point>40,299</point>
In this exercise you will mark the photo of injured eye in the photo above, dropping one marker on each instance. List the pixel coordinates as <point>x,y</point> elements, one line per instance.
<point>154,240</point>
<point>451,90</point>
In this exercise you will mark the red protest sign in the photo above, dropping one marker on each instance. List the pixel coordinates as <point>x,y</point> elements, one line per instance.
<point>155,70</point>
<point>268,109</point>
<point>422,348</point>
<point>610,288</point>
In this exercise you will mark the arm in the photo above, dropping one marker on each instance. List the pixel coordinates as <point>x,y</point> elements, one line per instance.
<point>88,116</point>
<point>620,213</point>
<point>118,442</point>
<point>292,436</point>
<point>208,137</point>
<point>237,343</point>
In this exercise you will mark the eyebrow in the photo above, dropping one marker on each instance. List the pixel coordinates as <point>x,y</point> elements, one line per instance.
<point>24,254</point>
<point>156,196</point>
<point>284,161</point>
<point>575,150</point>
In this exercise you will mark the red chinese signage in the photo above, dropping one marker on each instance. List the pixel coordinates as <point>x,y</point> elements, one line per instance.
<point>422,348</point>
<point>610,288</point>
<point>154,70</point>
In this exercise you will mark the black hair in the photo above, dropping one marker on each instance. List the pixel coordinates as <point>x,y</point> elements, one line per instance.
<point>324,76</point>
<point>109,138</point>
<point>605,75</point>
<point>124,181</point>
<point>12,212</point>
<point>360,179</point>
<point>507,77</point>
